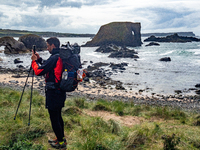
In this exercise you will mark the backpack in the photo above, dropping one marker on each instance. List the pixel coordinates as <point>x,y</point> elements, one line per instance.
<point>71,63</point>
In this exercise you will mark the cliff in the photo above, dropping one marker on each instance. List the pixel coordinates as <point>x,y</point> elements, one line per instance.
<point>119,33</point>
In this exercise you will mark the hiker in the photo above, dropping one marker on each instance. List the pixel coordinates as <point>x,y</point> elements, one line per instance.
<point>55,98</point>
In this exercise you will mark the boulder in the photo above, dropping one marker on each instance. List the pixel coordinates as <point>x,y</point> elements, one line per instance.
<point>153,44</point>
<point>20,67</point>
<point>197,85</point>
<point>1,59</point>
<point>17,61</point>
<point>118,66</point>
<point>117,51</point>
<point>165,59</point>
<point>123,54</point>
<point>107,48</point>
<point>31,39</point>
<point>197,92</point>
<point>96,66</point>
<point>119,33</point>
<point>12,46</point>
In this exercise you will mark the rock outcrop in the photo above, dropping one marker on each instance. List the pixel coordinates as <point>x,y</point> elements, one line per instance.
<point>23,45</point>
<point>172,38</point>
<point>12,46</point>
<point>117,51</point>
<point>17,61</point>
<point>165,59</point>
<point>31,39</point>
<point>119,33</point>
<point>153,44</point>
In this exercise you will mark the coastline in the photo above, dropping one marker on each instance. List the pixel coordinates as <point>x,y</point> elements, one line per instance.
<point>93,91</point>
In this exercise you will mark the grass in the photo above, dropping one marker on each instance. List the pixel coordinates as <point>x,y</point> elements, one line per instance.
<point>161,128</point>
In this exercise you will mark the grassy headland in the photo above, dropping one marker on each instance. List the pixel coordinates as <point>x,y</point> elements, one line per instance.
<point>18,33</point>
<point>159,127</point>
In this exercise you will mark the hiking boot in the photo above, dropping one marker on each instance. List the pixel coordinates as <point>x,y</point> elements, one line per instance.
<point>52,141</point>
<point>56,140</point>
<point>59,145</point>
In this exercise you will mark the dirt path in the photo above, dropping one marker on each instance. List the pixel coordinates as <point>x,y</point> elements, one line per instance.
<point>125,120</point>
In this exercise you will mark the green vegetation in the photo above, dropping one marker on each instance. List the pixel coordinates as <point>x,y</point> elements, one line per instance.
<point>159,128</point>
<point>18,33</point>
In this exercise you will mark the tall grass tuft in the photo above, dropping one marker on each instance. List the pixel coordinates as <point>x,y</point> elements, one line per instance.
<point>170,142</point>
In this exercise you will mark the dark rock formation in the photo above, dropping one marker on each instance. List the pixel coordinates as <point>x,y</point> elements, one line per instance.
<point>12,46</point>
<point>102,76</point>
<point>165,59</point>
<point>172,38</point>
<point>169,33</point>
<point>119,33</point>
<point>20,66</point>
<point>31,39</point>
<point>23,45</point>
<point>118,66</point>
<point>197,85</point>
<point>197,92</point>
<point>17,61</point>
<point>117,51</point>
<point>153,44</point>
<point>124,54</point>
<point>108,48</point>
<point>96,66</point>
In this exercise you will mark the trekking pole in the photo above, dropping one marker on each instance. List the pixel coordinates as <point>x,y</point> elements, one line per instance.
<point>31,100</point>
<point>23,92</point>
<point>31,92</point>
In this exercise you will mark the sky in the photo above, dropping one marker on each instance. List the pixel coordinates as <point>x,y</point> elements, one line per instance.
<point>87,16</point>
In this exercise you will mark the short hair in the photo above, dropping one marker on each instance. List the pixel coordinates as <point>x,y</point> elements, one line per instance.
<point>53,40</point>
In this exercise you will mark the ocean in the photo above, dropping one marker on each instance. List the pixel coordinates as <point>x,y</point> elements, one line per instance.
<point>146,73</point>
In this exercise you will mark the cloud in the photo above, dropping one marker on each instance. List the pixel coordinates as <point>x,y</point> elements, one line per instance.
<point>18,3</point>
<point>166,17</point>
<point>38,21</point>
<point>86,16</point>
<point>70,3</point>
<point>96,2</point>
<point>59,3</point>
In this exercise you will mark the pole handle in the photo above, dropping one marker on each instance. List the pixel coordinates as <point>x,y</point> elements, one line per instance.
<point>34,48</point>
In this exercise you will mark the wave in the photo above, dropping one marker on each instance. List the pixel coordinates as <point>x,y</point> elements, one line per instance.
<point>97,55</point>
<point>194,51</point>
<point>167,53</point>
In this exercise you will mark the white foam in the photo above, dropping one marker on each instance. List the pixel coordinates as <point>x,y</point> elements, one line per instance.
<point>196,51</point>
<point>167,53</point>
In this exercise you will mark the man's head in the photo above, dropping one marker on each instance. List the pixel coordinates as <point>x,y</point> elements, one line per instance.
<point>52,43</point>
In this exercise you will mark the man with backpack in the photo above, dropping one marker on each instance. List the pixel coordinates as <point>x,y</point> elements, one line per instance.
<point>55,97</point>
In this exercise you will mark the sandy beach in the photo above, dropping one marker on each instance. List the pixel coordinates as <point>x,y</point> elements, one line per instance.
<point>86,88</point>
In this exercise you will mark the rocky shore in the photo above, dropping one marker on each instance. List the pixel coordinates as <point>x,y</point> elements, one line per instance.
<point>94,88</point>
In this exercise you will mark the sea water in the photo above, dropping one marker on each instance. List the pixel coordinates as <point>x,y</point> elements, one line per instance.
<point>146,73</point>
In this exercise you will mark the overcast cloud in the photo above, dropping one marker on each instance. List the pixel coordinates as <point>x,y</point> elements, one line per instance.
<point>86,16</point>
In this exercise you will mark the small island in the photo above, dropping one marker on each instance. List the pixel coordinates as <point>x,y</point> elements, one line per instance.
<point>172,38</point>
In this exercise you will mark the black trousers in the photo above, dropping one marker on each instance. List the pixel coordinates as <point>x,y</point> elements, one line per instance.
<point>57,123</point>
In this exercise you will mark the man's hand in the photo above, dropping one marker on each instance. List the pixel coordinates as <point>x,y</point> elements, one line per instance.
<point>35,56</point>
